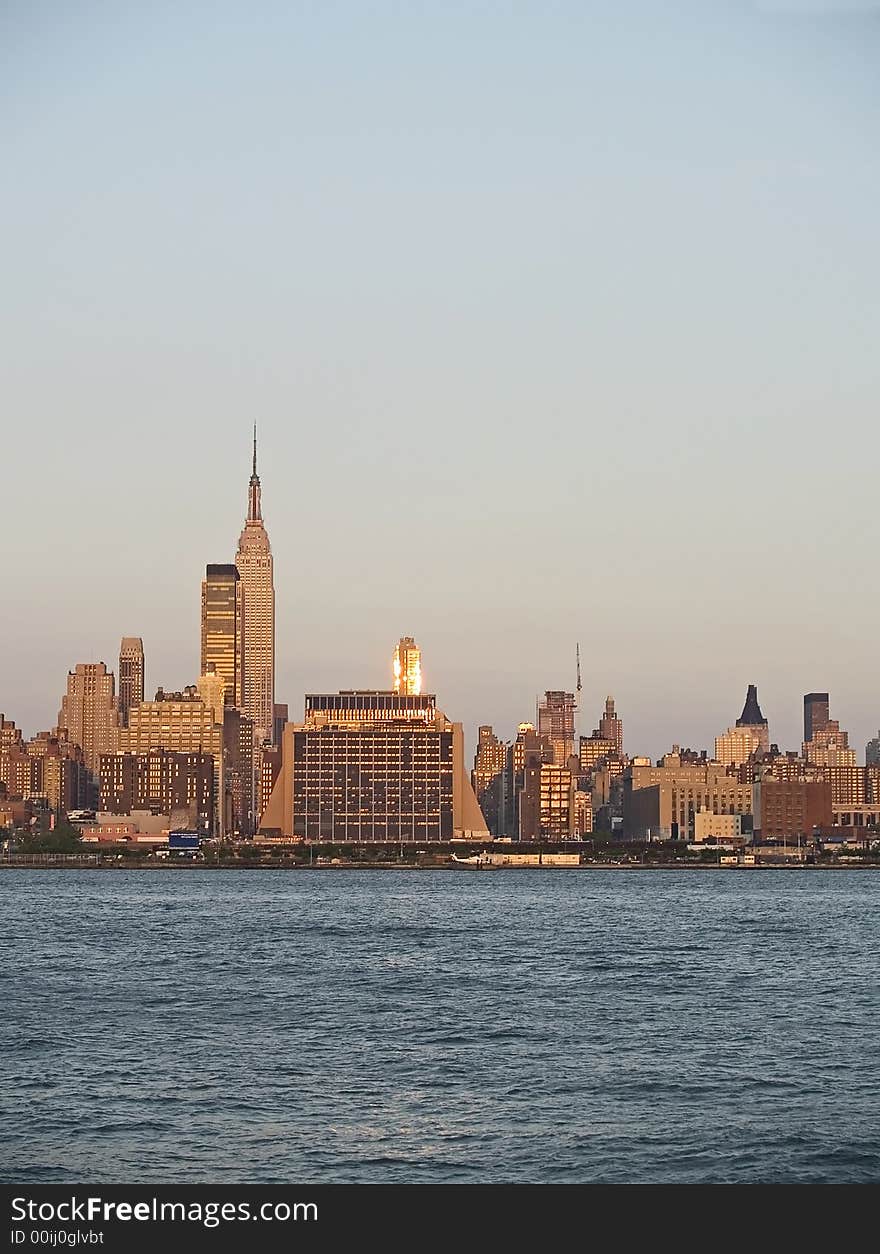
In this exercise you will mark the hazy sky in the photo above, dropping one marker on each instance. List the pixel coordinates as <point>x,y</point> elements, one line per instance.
<point>560,322</point>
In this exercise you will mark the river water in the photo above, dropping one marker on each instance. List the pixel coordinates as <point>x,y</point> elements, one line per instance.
<point>428,1026</point>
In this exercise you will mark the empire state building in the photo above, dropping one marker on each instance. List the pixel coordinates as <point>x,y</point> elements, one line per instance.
<point>254,562</point>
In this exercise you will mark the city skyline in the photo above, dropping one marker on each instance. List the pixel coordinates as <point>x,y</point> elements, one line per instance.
<point>530,367</point>
<point>253,545</point>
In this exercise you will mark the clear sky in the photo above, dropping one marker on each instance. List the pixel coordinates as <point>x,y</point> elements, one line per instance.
<point>560,322</point>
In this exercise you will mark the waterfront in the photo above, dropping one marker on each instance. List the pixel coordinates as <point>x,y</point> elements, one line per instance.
<point>536,1026</point>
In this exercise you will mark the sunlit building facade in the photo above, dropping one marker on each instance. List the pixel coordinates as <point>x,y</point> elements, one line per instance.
<point>556,715</point>
<point>406,666</point>
<point>131,675</point>
<point>88,712</point>
<point>222,625</point>
<point>254,564</point>
<point>377,777</point>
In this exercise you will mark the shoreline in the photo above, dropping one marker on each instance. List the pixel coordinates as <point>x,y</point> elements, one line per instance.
<point>410,866</point>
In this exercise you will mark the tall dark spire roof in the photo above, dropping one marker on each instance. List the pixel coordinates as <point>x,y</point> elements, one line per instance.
<point>254,511</point>
<point>751,715</point>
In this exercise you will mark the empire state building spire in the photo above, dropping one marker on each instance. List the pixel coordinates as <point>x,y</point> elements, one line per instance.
<point>254,509</point>
<point>254,563</point>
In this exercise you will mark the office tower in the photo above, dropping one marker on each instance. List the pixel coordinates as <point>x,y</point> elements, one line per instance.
<point>131,675</point>
<point>222,618</point>
<point>374,777</point>
<point>88,711</point>
<point>556,722</point>
<point>753,720</point>
<point>487,777</point>
<point>872,751</point>
<point>815,713</point>
<point>610,726</point>
<point>254,564</point>
<point>407,667</point>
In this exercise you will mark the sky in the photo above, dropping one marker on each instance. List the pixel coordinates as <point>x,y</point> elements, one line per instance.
<point>559,322</point>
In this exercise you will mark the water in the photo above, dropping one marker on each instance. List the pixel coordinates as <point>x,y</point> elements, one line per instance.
<point>235,1026</point>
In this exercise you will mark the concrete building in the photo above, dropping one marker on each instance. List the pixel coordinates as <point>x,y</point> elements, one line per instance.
<point>131,675</point>
<point>863,818</point>
<point>406,667</point>
<point>222,629</point>
<point>89,713</point>
<point>378,778</point>
<point>254,563</point>
<point>661,802</point>
<point>718,827</point>
<point>872,751</point>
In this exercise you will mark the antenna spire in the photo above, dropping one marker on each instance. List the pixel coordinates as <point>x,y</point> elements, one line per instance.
<point>254,510</point>
<point>578,656</point>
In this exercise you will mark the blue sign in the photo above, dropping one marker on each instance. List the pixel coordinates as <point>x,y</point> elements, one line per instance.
<point>183,840</point>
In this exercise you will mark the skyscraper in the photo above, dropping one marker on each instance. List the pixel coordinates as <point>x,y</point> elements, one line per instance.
<point>254,564</point>
<point>753,720</point>
<point>872,751</point>
<point>611,725</point>
<point>222,620</point>
<point>816,713</point>
<point>407,666</point>
<point>89,713</point>
<point>556,721</point>
<point>131,675</point>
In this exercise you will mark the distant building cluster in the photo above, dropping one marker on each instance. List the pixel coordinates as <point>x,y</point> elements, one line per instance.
<point>220,759</point>
<point>536,787</point>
